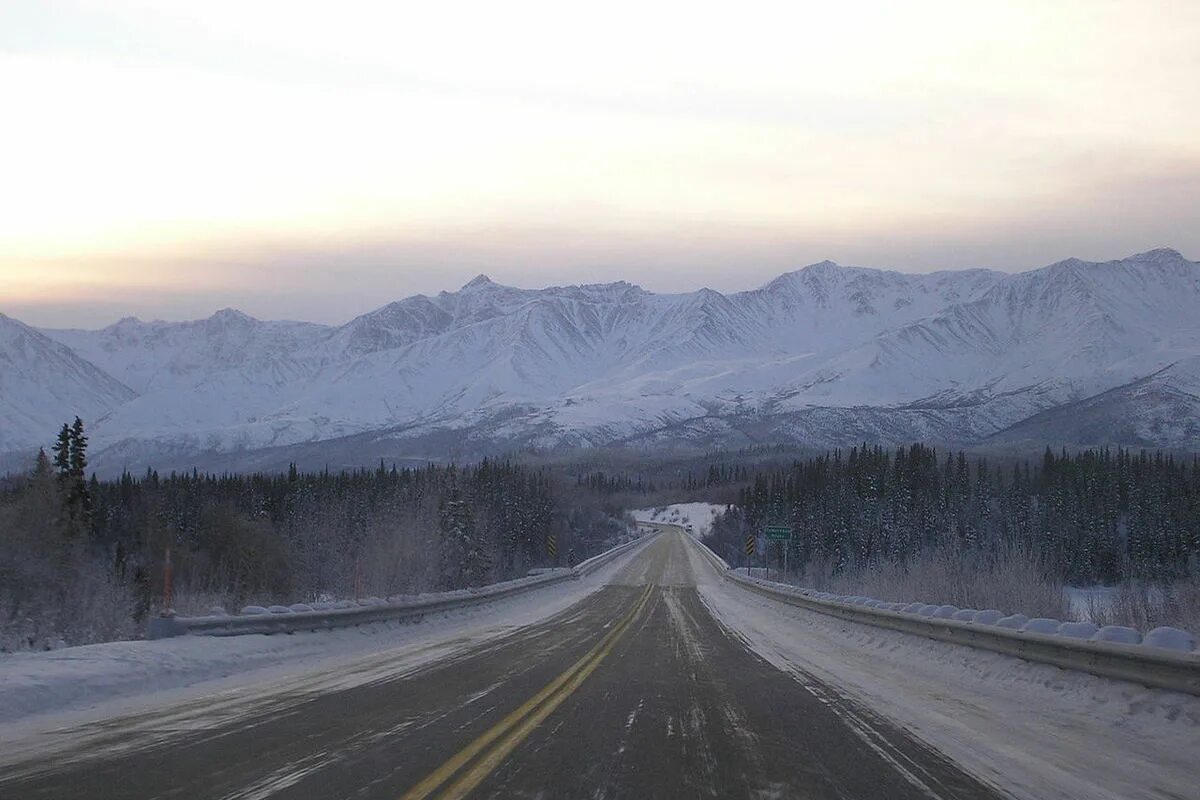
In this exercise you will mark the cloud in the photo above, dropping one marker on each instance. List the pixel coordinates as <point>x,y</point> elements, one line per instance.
<point>276,155</point>
<point>331,280</point>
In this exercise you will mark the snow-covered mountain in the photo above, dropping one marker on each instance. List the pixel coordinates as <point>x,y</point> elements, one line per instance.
<point>156,356</point>
<point>823,355</point>
<point>44,384</point>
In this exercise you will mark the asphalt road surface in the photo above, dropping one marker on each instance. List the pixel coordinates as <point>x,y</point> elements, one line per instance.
<point>634,692</point>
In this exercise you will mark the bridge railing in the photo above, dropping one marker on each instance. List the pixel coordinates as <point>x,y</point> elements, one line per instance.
<point>1157,667</point>
<point>365,612</point>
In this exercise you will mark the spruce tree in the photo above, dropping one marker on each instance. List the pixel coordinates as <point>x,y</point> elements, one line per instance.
<point>460,553</point>
<point>79,500</point>
<point>78,450</point>
<point>62,452</point>
<point>41,466</point>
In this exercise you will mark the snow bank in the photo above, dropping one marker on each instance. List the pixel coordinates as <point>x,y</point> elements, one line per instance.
<point>1014,621</point>
<point>1170,639</point>
<point>1078,630</point>
<point>1165,638</point>
<point>1119,634</point>
<point>1041,625</point>
<point>1034,730</point>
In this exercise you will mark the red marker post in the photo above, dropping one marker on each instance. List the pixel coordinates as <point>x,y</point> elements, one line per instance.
<point>168,586</point>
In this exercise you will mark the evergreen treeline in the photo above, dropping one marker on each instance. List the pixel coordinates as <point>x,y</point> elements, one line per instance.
<point>615,483</point>
<point>289,537</point>
<point>714,476</point>
<point>1095,516</point>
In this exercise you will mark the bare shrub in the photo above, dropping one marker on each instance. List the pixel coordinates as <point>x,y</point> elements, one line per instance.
<point>1145,606</point>
<point>99,608</point>
<point>194,599</point>
<point>55,590</point>
<point>1010,579</point>
<point>83,603</point>
<point>398,558</point>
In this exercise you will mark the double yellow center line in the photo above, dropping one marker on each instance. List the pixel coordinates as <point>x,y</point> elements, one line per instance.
<point>464,771</point>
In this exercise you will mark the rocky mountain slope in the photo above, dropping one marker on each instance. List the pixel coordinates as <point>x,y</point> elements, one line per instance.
<point>823,355</point>
<point>44,383</point>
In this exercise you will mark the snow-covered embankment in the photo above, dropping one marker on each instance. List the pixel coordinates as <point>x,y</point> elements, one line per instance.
<point>123,676</point>
<point>1034,730</point>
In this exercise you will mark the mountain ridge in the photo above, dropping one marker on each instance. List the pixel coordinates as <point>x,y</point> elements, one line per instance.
<point>810,356</point>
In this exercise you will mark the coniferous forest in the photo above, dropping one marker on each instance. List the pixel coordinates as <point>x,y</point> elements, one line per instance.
<point>1091,517</point>
<point>83,560</point>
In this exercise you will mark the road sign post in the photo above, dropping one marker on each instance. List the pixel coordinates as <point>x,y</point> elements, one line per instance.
<point>779,533</point>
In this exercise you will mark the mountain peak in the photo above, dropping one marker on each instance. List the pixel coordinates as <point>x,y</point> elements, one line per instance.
<point>821,274</point>
<point>229,316</point>
<point>1161,255</point>
<point>1157,256</point>
<point>478,282</point>
<point>125,322</point>
<point>818,269</point>
<point>1069,265</point>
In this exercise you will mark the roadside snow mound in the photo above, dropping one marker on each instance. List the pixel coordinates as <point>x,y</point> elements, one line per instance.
<point>1171,639</point>
<point>1041,625</point>
<point>1078,630</point>
<point>1119,634</point>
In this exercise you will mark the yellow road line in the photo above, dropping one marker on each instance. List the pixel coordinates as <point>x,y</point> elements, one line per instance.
<point>516,726</point>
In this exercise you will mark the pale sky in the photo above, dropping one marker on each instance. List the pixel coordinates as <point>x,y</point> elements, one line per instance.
<point>317,160</point>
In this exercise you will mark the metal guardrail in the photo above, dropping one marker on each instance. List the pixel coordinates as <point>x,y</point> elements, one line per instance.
<point>294,621</point>
<point>590,565</point>
<point>1150,666</point>
<point>1162,669</point>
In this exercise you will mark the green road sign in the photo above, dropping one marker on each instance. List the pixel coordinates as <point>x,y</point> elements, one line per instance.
<point>750,542</point>
<point>778,533</point>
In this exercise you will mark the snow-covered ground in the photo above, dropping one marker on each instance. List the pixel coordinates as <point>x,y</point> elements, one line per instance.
<point>1083,598</point>
<point>1036,731</point>
<point>49,689</point>
<point>697,518</point>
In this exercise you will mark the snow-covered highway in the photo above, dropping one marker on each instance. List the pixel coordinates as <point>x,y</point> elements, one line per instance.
<point>656,679</point>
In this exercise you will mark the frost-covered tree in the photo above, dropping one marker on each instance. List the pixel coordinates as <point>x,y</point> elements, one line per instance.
<point>294,536</point>
<point>464,561</point>
<point>1094,516</point>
